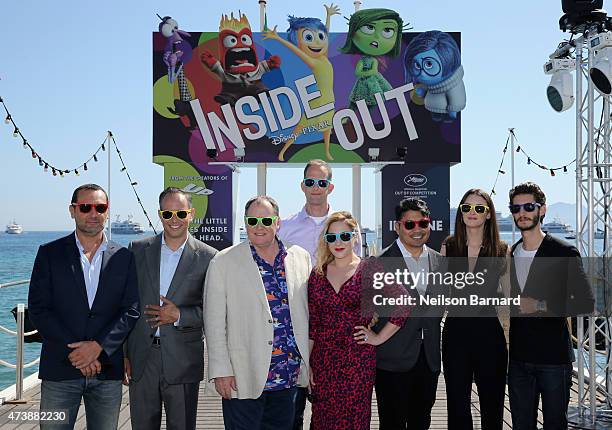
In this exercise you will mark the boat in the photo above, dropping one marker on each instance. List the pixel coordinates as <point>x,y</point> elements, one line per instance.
<point>13,228</point>
<point>504,224</point>
<point>126,226</point>
<point>599,234</point>
<point>557,227</point>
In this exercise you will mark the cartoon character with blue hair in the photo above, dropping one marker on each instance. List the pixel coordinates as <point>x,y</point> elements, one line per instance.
<point>309,40</point>
<point>432,62</point>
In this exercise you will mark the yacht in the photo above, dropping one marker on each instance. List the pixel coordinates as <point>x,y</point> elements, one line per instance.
<point>14,228</point>
<point>126,227</point>
<point>558,227</point>
<point>504,224</point>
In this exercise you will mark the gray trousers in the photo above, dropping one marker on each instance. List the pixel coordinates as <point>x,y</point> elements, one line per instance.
<point>146,397</point>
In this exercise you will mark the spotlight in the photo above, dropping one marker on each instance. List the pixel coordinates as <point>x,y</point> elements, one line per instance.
<point>560,91</point>
<point>211,153</point>
<point>601,70</point>
<point>373,153</point>
<point>581,14</point>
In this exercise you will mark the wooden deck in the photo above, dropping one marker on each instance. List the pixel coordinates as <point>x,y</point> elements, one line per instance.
<point>211,417</point>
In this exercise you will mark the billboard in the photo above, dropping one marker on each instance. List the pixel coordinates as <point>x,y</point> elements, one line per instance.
<point>374,92</point>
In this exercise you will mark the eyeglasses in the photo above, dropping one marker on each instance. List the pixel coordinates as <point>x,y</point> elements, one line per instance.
<point>180,214</point>
<point>322,183</point>
<point>266,221</point>
<point>423,223</point>
<point>86,207</point>
<point>344,236</point>
<point>528,207</point>
<point>429,65</point>
<point>479,209</point>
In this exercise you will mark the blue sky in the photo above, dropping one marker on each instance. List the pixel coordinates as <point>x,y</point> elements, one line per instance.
<point>72,70</point>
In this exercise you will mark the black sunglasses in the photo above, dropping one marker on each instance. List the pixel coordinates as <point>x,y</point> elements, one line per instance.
<point>86,207</point>
<point>423,223</point>
<point>344,236</point>
<point>322,183</point>
<point>479,209</point>
<point>266,221</point>
<point>180,214</point>
<point>529,207</point>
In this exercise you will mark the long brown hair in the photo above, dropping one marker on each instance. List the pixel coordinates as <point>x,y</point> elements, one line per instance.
<point>324,255</point>
<point>493,246</point>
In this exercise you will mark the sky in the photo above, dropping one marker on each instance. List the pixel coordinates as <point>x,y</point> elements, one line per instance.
<point>71,70</point>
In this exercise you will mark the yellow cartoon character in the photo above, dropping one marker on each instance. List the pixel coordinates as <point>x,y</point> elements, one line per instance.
<point>309,40</point>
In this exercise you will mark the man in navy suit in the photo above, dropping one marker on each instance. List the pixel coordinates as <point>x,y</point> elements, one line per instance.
<point>83,299</point>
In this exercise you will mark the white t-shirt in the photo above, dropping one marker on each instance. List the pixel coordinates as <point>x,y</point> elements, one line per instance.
<point>522,264</point>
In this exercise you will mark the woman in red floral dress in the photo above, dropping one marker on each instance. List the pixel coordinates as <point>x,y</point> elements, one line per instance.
<point>343,358</point>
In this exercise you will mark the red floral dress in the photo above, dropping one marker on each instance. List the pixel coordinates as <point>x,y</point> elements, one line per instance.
<point>343,370</point>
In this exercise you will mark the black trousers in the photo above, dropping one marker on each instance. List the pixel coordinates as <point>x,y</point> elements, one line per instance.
<point>474,349</point>
<point>405,399</point>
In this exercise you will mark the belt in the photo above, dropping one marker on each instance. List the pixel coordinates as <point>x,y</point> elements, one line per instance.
<point>156,341</point>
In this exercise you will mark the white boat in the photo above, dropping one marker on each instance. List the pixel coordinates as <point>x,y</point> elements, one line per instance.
<point>14,228</point>
<point>126,227</point>
<point>557,227</point>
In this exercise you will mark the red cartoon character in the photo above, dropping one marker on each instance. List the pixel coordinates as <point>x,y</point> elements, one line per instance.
<point>239,70</point>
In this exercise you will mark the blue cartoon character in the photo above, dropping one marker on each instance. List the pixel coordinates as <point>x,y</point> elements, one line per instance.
<point>372,33</point>
<point>433,64</point>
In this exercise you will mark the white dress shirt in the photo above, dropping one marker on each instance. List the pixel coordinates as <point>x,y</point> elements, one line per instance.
<point>91,269</point>
<point>304,231</point>
<point>167,266</point>
<point>416,265</point>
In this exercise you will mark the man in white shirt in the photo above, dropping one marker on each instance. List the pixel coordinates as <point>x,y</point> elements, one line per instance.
<point>165,352</point>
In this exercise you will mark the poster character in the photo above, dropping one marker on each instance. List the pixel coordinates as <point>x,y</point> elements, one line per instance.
<point>239,68</point>
<point>309,40</point>
<point>432,62</point>
<point>177,52</point>
<point>372,33</point>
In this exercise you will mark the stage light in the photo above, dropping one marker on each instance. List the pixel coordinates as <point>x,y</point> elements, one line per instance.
<point>373,153</point>
<point>239,153</point>
<point>401,152</point>
<point>579,15</point>
<point>560,90</point>
<point>601,70</point>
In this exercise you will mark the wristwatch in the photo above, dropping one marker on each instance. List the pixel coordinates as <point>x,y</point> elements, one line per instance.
<point>541,306</point>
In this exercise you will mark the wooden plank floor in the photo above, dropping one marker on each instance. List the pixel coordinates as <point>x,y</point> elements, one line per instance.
<point>210,416</point>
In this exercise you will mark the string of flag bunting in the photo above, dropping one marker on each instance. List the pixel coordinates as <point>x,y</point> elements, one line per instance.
<point>47,165</point>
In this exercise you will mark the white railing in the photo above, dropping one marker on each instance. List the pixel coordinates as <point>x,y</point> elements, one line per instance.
<point>19,334</point>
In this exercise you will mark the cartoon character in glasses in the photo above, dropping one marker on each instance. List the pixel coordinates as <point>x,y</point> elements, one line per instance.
<point>432,62</point>
<point>373,33</point>
<point>309,40</point>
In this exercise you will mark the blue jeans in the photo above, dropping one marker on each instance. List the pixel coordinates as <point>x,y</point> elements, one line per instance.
<point>527,383</point>
<point>273,410</point>
<point>102,401</point>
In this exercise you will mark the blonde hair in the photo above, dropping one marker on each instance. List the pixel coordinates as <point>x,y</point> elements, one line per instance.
<point>324,255</point>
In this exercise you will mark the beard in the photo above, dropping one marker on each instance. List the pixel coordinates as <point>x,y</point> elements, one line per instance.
<point>534,222</point>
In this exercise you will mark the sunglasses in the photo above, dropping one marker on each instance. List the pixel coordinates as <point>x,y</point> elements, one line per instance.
<point>344,236</point>
<point>86,207</point>
<point>322,183</point>
<point>423,223</point>
<point>479,209</point>
<point>266,221</point>
<point>529,207</point>
<point>180,214</point>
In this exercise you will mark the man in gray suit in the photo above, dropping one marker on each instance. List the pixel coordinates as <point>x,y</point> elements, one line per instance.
<point>165,351</point>
<point>408,364</point>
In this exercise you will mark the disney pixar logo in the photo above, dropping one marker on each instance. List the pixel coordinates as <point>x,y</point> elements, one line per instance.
<point>415,180</point>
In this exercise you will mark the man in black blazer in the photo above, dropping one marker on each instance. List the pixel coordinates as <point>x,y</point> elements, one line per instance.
<point>548,275</point>
<point>408,364</point>
<point>83,299</point>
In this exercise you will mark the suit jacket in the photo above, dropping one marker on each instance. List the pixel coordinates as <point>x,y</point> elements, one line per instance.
<point>557,276</point>
<point>58,307</point>
<point>401,352</point>
<point>182,348</point>
<point>238,322</point>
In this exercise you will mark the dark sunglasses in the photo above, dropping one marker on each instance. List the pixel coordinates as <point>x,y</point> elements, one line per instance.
<point>180,214</point>
<point>322,183</point>
<point>423,223</point>
<point>479,209</point>
<point>528,207</point>
<point>344,236</point>
<point>86,207</point>
<point>266,221</point>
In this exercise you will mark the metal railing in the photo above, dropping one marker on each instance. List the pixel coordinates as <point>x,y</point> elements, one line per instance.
<point>19,366</point>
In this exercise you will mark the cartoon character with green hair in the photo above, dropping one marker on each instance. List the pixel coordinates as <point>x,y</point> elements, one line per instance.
<point>309,40</point>
<point>372,33</point>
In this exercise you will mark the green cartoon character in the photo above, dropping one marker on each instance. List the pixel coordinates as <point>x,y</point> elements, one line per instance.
<point>372,33</point>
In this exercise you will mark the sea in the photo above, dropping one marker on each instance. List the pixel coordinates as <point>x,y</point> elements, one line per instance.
<point>17,254</point>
